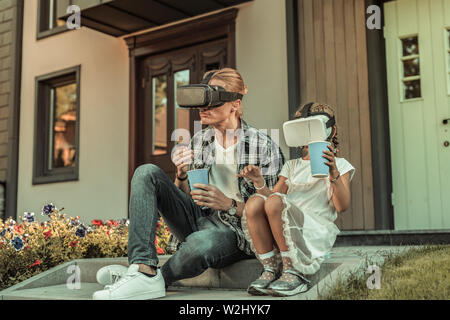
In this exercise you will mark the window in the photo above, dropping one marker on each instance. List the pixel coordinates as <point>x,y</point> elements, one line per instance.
<point>48,22</point>
<point>56,142</point>
<point>410,68</point>
<point>159,105</point>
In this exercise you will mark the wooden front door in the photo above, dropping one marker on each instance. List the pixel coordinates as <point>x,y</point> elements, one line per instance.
<point>158,113</point>
<point>417,36</point>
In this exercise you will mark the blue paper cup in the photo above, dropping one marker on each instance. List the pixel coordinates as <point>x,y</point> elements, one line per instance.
<point>318,167</point>
<point>198,176</point>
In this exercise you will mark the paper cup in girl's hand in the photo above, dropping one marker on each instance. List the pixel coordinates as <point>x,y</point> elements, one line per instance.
<point>318,167</point>
<point>198,176</point>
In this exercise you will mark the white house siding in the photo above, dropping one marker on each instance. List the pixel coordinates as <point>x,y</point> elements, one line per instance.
<point>101,191</point>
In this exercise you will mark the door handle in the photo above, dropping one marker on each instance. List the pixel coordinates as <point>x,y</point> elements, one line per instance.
<point>445,121</point>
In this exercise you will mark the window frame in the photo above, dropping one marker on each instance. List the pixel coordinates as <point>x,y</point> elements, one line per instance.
<point>42,15</point>
<point>401,69</point>
<point>42,131</point>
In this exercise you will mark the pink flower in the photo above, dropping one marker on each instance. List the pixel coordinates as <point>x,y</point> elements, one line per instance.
<point>47,234</point>
<point>37,263</point>
<point>73,244</point>
<point>97,222</point>
<point>160,251</point>
<point>112,223</point>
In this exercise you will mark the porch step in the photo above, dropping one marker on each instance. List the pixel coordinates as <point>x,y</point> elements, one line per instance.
<point>216,284</point>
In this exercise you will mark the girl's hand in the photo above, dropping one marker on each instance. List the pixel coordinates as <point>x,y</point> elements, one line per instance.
<point>253,173</point>
<point>329,155</point>
<point>211,197</point>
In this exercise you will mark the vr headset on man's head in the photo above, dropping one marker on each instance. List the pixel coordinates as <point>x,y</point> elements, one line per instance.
<point>204,95</point>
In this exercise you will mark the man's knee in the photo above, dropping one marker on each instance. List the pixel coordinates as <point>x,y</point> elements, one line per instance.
<point>145,171</point>
<point>208,245</point>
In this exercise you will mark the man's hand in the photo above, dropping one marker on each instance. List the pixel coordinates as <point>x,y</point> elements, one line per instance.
<point>210,197</point>
<point>182,157</point>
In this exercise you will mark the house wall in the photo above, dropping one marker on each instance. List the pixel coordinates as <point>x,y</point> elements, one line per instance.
<point>7,15</point>
<point>334,70</point>
<point>261,58</point>
<point>101,191</point>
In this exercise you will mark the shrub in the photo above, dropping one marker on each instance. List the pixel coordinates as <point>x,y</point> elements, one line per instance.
<point>30,247</point>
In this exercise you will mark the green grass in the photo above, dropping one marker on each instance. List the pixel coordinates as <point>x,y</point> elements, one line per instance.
<point>421,273</point>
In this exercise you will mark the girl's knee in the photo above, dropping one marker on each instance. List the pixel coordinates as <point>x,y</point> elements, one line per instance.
<point>254,207</point>
<point>273,205</point>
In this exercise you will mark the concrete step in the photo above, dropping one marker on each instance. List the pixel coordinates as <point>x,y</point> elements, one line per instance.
<point>214,284</point>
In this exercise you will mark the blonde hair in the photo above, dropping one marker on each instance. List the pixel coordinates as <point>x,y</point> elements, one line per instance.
<point>320,107</point>
<point>233,81</point>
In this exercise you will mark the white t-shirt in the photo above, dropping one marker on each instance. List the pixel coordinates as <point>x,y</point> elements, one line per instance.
<point>309,193</point>
<point>222,173</point>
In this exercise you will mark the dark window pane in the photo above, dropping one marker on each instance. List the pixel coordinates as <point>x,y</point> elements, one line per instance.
<point>64,117</point>
<point>412,89</point>
<point>213,66</point>
<point>49,15</point>
<point>159,115</point>
<point>410,46</point>
<point>411,67</point>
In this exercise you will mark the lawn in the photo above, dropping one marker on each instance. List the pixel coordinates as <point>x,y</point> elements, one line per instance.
<point>421,273</point>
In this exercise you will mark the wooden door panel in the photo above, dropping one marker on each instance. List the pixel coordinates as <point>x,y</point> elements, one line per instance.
<point>160,76</point>
<point>416,136</point>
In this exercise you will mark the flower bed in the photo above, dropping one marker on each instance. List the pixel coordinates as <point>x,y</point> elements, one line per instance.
<point>30,247</point>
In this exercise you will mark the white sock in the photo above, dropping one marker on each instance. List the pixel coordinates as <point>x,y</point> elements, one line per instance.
<point>266,255</point>
<point>285,254</point>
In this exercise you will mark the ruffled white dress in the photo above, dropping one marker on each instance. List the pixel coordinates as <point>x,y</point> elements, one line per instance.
<point>308,215</point>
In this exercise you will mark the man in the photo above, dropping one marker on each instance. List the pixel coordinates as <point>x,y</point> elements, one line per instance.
<point>207,221</point>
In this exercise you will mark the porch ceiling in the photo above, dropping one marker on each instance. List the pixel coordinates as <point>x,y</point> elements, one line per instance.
<point>122,17</point>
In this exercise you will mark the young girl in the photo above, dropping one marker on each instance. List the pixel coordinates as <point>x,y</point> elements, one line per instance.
<point>295,220</point>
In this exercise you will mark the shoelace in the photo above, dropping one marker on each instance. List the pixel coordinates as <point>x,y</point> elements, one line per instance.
<point>116,277</point>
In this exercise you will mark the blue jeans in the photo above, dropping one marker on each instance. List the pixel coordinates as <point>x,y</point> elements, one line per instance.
<point>206,241</point>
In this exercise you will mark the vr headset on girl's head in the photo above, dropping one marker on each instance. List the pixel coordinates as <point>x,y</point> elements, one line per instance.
<point>204,95</point>
<point>306,112</point>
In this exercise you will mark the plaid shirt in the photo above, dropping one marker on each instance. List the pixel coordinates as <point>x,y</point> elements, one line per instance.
<point>254,147</point>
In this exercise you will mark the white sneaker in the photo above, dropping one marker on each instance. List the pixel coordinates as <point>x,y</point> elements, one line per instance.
<point>134,285</point>
<point>110,274</point>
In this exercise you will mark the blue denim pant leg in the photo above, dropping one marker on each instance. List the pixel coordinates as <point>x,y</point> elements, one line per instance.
<point>151,191</point>
<point>213,246</point>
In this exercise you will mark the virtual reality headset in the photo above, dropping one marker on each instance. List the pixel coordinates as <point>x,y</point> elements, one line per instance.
<point>204,95</point>
<point>311,126</point>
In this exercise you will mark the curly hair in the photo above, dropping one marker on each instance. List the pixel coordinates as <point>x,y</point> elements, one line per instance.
<point>320,107</point>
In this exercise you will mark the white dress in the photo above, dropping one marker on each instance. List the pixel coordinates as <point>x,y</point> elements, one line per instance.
<point>308,215</point>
